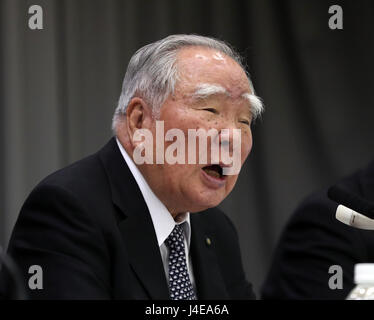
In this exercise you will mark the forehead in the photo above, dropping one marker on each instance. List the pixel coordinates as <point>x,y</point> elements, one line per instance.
<point>203,65</point>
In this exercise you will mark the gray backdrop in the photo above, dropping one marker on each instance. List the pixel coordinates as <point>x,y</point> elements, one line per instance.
<point>59,87</point>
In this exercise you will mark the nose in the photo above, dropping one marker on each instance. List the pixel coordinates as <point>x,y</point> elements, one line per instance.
<point>228,137</point>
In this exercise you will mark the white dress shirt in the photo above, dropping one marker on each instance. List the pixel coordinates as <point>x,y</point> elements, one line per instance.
<point>162,219</point>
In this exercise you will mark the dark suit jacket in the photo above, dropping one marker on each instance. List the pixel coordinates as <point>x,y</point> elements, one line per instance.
<point>314,240</point>
<point>90,230</point>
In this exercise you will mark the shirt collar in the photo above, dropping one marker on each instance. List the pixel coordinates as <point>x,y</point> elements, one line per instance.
<point>162,219</point>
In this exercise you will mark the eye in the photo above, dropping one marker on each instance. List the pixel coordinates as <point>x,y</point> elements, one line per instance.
<point>211,110</point>
<point>246,122</point>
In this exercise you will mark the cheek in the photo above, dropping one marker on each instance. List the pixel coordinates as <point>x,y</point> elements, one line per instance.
<point>180,173</point>
<point>182,121</point>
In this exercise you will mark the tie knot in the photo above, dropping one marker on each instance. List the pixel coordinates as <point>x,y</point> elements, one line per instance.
<point>176,236</point>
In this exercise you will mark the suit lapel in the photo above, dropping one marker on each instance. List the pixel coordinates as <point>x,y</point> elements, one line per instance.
<point>136,226</point>
<point>144,253</point>
<point>208,277</point>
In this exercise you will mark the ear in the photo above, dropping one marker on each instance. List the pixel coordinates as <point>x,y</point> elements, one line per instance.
<point>138,116</point>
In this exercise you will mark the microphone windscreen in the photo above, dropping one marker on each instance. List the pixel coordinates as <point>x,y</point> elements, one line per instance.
<point>350,200</point>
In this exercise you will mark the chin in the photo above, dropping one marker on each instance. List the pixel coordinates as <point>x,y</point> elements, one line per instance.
<point>204,203</point>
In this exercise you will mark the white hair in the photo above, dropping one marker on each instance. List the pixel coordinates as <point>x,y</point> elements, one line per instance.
<point>257,106</point>
<point>152,72</point>
<point>205,90</point>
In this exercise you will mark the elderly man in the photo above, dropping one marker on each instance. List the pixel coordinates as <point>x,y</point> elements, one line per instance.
<point>107,227</point>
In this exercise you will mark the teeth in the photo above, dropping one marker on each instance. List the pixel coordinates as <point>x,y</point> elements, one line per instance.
<point>212,173</point>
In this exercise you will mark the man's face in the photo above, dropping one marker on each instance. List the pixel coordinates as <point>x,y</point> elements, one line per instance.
<point>195,187</point>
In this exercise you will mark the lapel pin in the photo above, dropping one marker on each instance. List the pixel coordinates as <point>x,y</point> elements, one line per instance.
<point>208,241</point>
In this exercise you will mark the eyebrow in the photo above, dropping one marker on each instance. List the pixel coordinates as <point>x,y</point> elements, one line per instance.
<point>205,90</point>
<point>256,104</point>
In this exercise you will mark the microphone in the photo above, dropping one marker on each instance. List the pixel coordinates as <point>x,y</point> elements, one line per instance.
<point>353,210</point>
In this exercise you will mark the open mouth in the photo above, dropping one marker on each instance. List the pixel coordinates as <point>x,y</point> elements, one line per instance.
<point>214,171</point>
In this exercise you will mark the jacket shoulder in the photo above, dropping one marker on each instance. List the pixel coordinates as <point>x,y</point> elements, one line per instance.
<point>78,175</point>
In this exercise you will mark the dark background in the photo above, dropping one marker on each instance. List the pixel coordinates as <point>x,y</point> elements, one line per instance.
<point>59,87</point>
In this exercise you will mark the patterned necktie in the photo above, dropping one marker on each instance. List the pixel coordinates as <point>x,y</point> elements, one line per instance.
<point>180,286</point>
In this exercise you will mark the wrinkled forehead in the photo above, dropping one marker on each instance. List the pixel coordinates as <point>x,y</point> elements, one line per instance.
<point>198,65</point>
